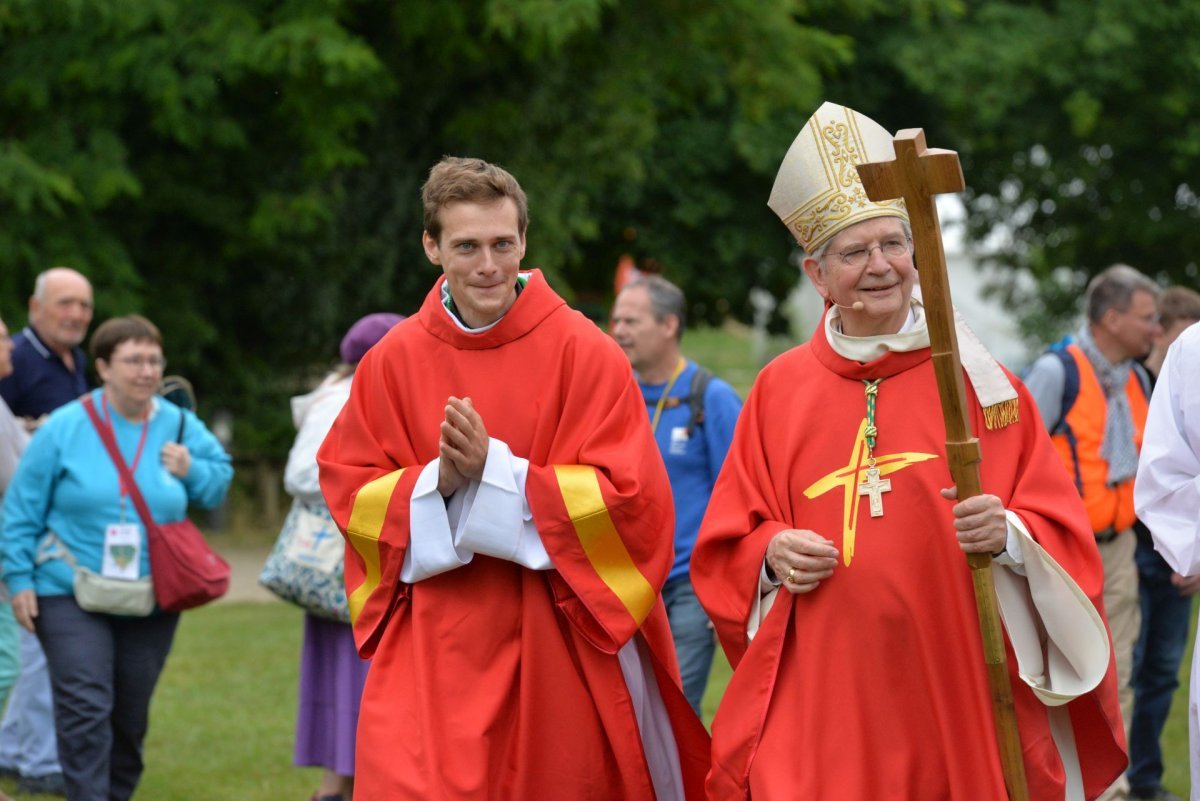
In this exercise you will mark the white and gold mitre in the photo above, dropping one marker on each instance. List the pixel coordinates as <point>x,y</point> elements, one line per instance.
<point>817,191</point>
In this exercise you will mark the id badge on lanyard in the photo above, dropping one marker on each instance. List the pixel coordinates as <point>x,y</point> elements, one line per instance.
<point>122,551</point>
<point>123,541</point>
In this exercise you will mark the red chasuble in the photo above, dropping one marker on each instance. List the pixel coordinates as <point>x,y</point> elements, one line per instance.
<point>494,681</point>
<point>873,686</point>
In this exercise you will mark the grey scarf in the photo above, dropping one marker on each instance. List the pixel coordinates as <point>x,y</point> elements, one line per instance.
<point>1118,447</point>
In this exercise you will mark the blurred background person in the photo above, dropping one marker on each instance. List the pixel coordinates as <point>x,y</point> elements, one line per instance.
<point>50,367</point>
<point>104,667</point>
<point>1165,597</point>
<point>12,442</point>
<point>331,672</point>
<point>692,414</point>
<point>1167,493</point>
<point>1093,396</point>
<point>49,370</point>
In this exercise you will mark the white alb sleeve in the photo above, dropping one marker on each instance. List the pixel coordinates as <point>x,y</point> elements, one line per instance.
<point>496,519</point>
<point>490,517</point>
<point>431,547</point>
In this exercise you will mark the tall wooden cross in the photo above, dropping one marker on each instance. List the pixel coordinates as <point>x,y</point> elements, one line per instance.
<point>917,174</point>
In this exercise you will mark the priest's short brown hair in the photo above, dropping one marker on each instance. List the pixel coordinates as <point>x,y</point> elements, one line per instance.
<point>470,180</point>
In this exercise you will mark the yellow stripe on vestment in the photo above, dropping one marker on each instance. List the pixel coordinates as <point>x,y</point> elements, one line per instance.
<point>601,543</point>
<point>366,524</point>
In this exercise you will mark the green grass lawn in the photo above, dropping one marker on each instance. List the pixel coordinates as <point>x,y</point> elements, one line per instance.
<point>223,717</point>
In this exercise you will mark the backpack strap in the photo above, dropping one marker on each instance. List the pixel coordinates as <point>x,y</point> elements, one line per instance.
<point>1143,376</point>
<point>695,399</point>
<point>1069,396</point>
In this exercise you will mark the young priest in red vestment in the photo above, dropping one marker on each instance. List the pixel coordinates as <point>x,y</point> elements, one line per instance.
<point>508,523</point>
<point>832,556</point>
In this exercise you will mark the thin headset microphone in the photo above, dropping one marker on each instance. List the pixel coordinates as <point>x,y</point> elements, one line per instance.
<point>857,305</point>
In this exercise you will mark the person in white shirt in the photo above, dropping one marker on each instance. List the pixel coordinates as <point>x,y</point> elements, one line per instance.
<point>1167,489</point>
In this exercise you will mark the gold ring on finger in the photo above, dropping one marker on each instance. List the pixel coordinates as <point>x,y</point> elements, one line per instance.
<point>791,575</point>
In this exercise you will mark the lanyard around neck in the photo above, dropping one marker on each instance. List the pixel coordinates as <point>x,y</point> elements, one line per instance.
<point>137,457</point>
<point>662,401</point>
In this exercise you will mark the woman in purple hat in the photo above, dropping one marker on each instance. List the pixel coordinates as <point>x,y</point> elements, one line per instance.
<point>331,672</point>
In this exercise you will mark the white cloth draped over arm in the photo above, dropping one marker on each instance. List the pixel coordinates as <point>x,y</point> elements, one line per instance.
<point>1059,638</point>
<point>490,517</point>
<point>1167,490</point>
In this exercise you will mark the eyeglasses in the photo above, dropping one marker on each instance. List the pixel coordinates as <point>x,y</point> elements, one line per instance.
<point>891,249</point>
<point>138,362</point>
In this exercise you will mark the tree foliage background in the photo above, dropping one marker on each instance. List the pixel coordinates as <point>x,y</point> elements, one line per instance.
<point>246,172</point>
<point>1078,126</point>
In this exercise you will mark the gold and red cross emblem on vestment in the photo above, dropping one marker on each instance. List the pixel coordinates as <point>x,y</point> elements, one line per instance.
<point>853,475</point>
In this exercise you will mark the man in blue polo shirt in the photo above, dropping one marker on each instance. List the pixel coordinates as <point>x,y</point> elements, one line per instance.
<point>49,367</point>
<point>693,415</point>
<point>49,370</point>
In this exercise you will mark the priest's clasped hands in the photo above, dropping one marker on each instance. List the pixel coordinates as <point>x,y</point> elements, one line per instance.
<point>463,446</point>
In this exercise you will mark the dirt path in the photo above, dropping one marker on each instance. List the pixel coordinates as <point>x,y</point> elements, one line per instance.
<point>246,562</point>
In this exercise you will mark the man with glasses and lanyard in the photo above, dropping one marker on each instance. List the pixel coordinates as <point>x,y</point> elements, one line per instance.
<point>692,414</point>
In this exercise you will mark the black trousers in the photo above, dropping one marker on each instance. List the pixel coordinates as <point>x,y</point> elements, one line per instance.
<point>103,669</point>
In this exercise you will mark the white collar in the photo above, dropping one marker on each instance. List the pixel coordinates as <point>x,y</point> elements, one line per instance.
<point>991,383</point>
<point>913,335</point>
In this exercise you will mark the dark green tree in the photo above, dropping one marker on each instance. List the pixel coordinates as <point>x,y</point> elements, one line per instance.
<point>1077,124</point>
<point>649,128</point>
<point>181,155</point>
<point>247,172</point>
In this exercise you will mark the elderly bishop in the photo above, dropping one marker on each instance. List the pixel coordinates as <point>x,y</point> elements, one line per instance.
<point>832,557</point>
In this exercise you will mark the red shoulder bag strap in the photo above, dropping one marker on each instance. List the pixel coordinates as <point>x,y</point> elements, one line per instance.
<point>110,444</point>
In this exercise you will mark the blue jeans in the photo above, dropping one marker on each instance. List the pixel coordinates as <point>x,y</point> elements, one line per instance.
<point>27,742</point>
<point>693,635</point>
<point>103,669</point>
<point>1156,659</point>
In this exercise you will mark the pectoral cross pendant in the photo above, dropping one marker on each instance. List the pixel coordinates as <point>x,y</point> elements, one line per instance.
<point>874,487</point>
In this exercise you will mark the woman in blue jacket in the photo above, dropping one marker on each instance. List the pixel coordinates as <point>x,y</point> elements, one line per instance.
<point>66,509</point>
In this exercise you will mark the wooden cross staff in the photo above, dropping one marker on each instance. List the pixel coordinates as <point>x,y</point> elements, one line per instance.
<point>917,174</point>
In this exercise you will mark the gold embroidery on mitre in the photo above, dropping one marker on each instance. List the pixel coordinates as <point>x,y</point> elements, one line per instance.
<point>841,147</point>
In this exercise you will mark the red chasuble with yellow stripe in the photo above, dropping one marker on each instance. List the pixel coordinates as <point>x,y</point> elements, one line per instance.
<point>872,686</point>
<point>493,681</point>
